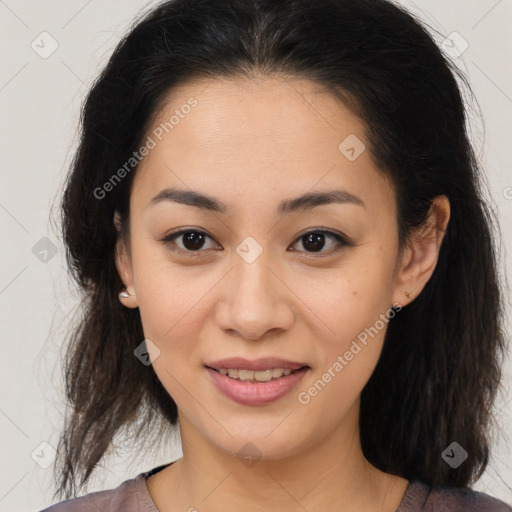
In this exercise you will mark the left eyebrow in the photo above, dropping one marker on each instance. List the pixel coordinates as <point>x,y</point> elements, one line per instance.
<point>313,199</point>
<point>306,201</point>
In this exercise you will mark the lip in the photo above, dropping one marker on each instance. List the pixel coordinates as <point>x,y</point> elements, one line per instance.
<point>264,363</point>
<point>256,393</point>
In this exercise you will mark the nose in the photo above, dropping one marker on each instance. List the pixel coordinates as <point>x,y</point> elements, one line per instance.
<point>256,300</point>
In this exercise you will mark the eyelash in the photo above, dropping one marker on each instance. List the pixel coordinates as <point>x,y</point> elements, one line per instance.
<point>342,241</point>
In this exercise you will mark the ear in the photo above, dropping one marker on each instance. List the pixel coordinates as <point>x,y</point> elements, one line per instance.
<point>124,267</point>
<point>419,258</point>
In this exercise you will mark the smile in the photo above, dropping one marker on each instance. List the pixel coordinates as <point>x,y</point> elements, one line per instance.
<point>246,387</point>
<point>256,376</point>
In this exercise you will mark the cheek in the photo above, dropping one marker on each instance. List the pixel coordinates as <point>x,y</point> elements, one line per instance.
<point>357,314</point>
<point>174,304</point>
<point>171,305</point>
<point>351,299</point>
<point>173,311</point>
<point>356,307</point>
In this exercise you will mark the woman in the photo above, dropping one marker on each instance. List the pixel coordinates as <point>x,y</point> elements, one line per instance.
<point>275,216</point>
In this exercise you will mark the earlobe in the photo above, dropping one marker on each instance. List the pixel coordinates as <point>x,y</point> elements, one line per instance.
<point>127,295</point>
<point>128,299</point>
<point>422,252</point>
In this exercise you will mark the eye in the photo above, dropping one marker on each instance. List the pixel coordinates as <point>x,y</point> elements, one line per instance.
<point>314,241</point>
<point>192,240</point>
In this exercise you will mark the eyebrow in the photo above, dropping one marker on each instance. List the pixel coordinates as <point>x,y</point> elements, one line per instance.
<point>303,202</point>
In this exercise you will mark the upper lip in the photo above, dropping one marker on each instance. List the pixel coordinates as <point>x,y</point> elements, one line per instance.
<point>264,363</point>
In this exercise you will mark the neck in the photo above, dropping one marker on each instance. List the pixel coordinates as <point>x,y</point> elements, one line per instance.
<point>332,474</point>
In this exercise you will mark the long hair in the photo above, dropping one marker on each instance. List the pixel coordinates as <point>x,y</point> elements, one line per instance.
<point>439,370</point>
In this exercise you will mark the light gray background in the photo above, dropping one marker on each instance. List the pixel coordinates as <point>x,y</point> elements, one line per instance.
<point>40,100</point>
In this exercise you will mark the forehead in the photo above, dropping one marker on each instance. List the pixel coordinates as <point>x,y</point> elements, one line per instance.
<point>274,115</point>
<point>279,134</point>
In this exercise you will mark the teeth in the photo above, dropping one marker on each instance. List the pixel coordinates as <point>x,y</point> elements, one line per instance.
<point>259,376</point>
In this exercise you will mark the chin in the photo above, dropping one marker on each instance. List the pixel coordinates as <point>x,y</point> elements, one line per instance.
<point>261,445</point>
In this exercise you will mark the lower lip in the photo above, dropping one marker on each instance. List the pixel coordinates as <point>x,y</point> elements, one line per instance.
<point>256,393</point>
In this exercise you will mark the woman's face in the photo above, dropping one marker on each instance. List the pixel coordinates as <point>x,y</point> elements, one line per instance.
<point>263,282</point>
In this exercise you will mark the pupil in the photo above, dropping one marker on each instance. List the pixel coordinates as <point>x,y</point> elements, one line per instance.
<point>193,240</point>
<point>314,241</point>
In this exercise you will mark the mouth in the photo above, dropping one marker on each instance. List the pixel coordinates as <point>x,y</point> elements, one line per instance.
<point>256,387</point>
<point>255,376</point>
<point>264,369</point>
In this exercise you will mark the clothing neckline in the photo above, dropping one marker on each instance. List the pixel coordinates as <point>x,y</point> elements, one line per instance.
<point>146,503</point>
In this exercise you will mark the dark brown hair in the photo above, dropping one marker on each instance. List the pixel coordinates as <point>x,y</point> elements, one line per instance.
<point>439,370</point>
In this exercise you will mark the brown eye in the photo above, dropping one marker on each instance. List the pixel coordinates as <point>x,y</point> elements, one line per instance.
<point>315,241</point>
<point>192,240</point>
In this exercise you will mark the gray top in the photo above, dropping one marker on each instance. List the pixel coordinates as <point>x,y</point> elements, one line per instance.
<point>133,496</point>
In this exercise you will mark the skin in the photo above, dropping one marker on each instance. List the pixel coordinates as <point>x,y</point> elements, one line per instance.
<point>252,143</point>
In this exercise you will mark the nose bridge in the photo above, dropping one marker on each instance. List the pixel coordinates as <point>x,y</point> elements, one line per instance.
<point>253,285</point>
<point>257,298</point>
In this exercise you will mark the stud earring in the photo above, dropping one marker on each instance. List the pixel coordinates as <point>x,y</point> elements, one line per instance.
<point>124,294</point>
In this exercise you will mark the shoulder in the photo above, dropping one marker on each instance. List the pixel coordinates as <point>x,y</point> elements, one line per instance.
<point>419,497</point>
<point>129,496</point>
